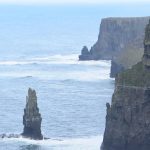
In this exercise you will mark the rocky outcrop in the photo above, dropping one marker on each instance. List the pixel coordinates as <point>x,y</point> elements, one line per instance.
<point>32,118</point>
<point>85,54</point>
<point>128,116</point>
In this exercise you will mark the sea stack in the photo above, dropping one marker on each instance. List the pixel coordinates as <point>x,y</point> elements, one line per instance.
<point>128,116</point>
<point>85,54</point>
<point>146,56</point>
<point>32,118</point>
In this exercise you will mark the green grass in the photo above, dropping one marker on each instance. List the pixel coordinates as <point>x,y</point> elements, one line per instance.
<point>137,76</point>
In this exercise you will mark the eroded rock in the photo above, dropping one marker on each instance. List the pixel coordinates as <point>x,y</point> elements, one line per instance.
<point>32,118</point>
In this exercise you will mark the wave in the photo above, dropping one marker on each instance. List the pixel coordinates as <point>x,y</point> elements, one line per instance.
<point>88,143</point>
<point>55,59</point>
<point>93,71</point>
<point>78,75</point>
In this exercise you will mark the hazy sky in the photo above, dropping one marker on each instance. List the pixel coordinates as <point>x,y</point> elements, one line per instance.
<point>70,1</point>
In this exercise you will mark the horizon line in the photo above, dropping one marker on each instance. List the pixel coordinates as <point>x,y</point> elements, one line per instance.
<point>74,3</point>
<point>82,3</point>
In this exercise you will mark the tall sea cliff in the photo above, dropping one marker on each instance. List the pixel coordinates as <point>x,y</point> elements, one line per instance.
<point>119,40</point>
<point>128,115</point>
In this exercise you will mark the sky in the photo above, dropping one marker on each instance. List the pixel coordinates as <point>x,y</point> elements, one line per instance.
<point>71,1</point>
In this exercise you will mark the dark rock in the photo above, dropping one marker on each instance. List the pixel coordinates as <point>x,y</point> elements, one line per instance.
<point>85,51</point>
<point>128,117</point>
<point>128,120</point>
<point>88,55</point>
<point>85,54</point>
<point>32,118</point>
<point>13,136</point>
<point>146,57</point>
<point>115,69</point>
<point>2,136</point>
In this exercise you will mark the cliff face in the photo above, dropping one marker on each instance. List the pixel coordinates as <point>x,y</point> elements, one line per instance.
<point>115,68</point>
<point>128,116</point>
<point>115,34</point>
<point>120,40</point>
<point>130,56</point>
<point>32,118</point>
<point>128,120</point>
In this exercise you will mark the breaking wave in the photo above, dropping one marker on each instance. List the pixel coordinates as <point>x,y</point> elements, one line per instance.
<point>85,143</point>
<point>57,67</point>
<point>55,59</point>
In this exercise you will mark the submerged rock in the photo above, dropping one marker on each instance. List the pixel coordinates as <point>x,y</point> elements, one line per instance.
<point>2,136</point>
<point>128,116</point>
<point>32,118</point>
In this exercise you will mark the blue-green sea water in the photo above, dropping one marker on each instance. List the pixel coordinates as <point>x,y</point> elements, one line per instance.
<point>39,47</point>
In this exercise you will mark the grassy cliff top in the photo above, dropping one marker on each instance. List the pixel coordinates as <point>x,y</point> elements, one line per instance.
<point>137,76</point>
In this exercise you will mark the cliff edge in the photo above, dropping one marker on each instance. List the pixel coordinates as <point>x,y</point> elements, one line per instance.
<point>128,116</point>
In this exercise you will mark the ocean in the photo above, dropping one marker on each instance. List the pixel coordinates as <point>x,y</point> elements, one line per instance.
<point>39,48</point>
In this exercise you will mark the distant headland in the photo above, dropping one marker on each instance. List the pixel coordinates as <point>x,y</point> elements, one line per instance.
<point>119,40</point>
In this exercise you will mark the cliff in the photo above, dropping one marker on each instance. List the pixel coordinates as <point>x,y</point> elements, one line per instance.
<point>119,40</point>
<point>128,116</point>
<point>32,118</point>
<point>115,35</point>
<point>116,68</point>
<point>130,56</point>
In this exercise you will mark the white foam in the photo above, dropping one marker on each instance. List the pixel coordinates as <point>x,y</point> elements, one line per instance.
<point>96,70</point>
<point>55,59</point>
<point>78,75</point>
<point>85,143</point>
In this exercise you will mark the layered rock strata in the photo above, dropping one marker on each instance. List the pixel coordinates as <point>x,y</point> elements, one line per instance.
<point>128,116</point>
<point>32,118</point>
